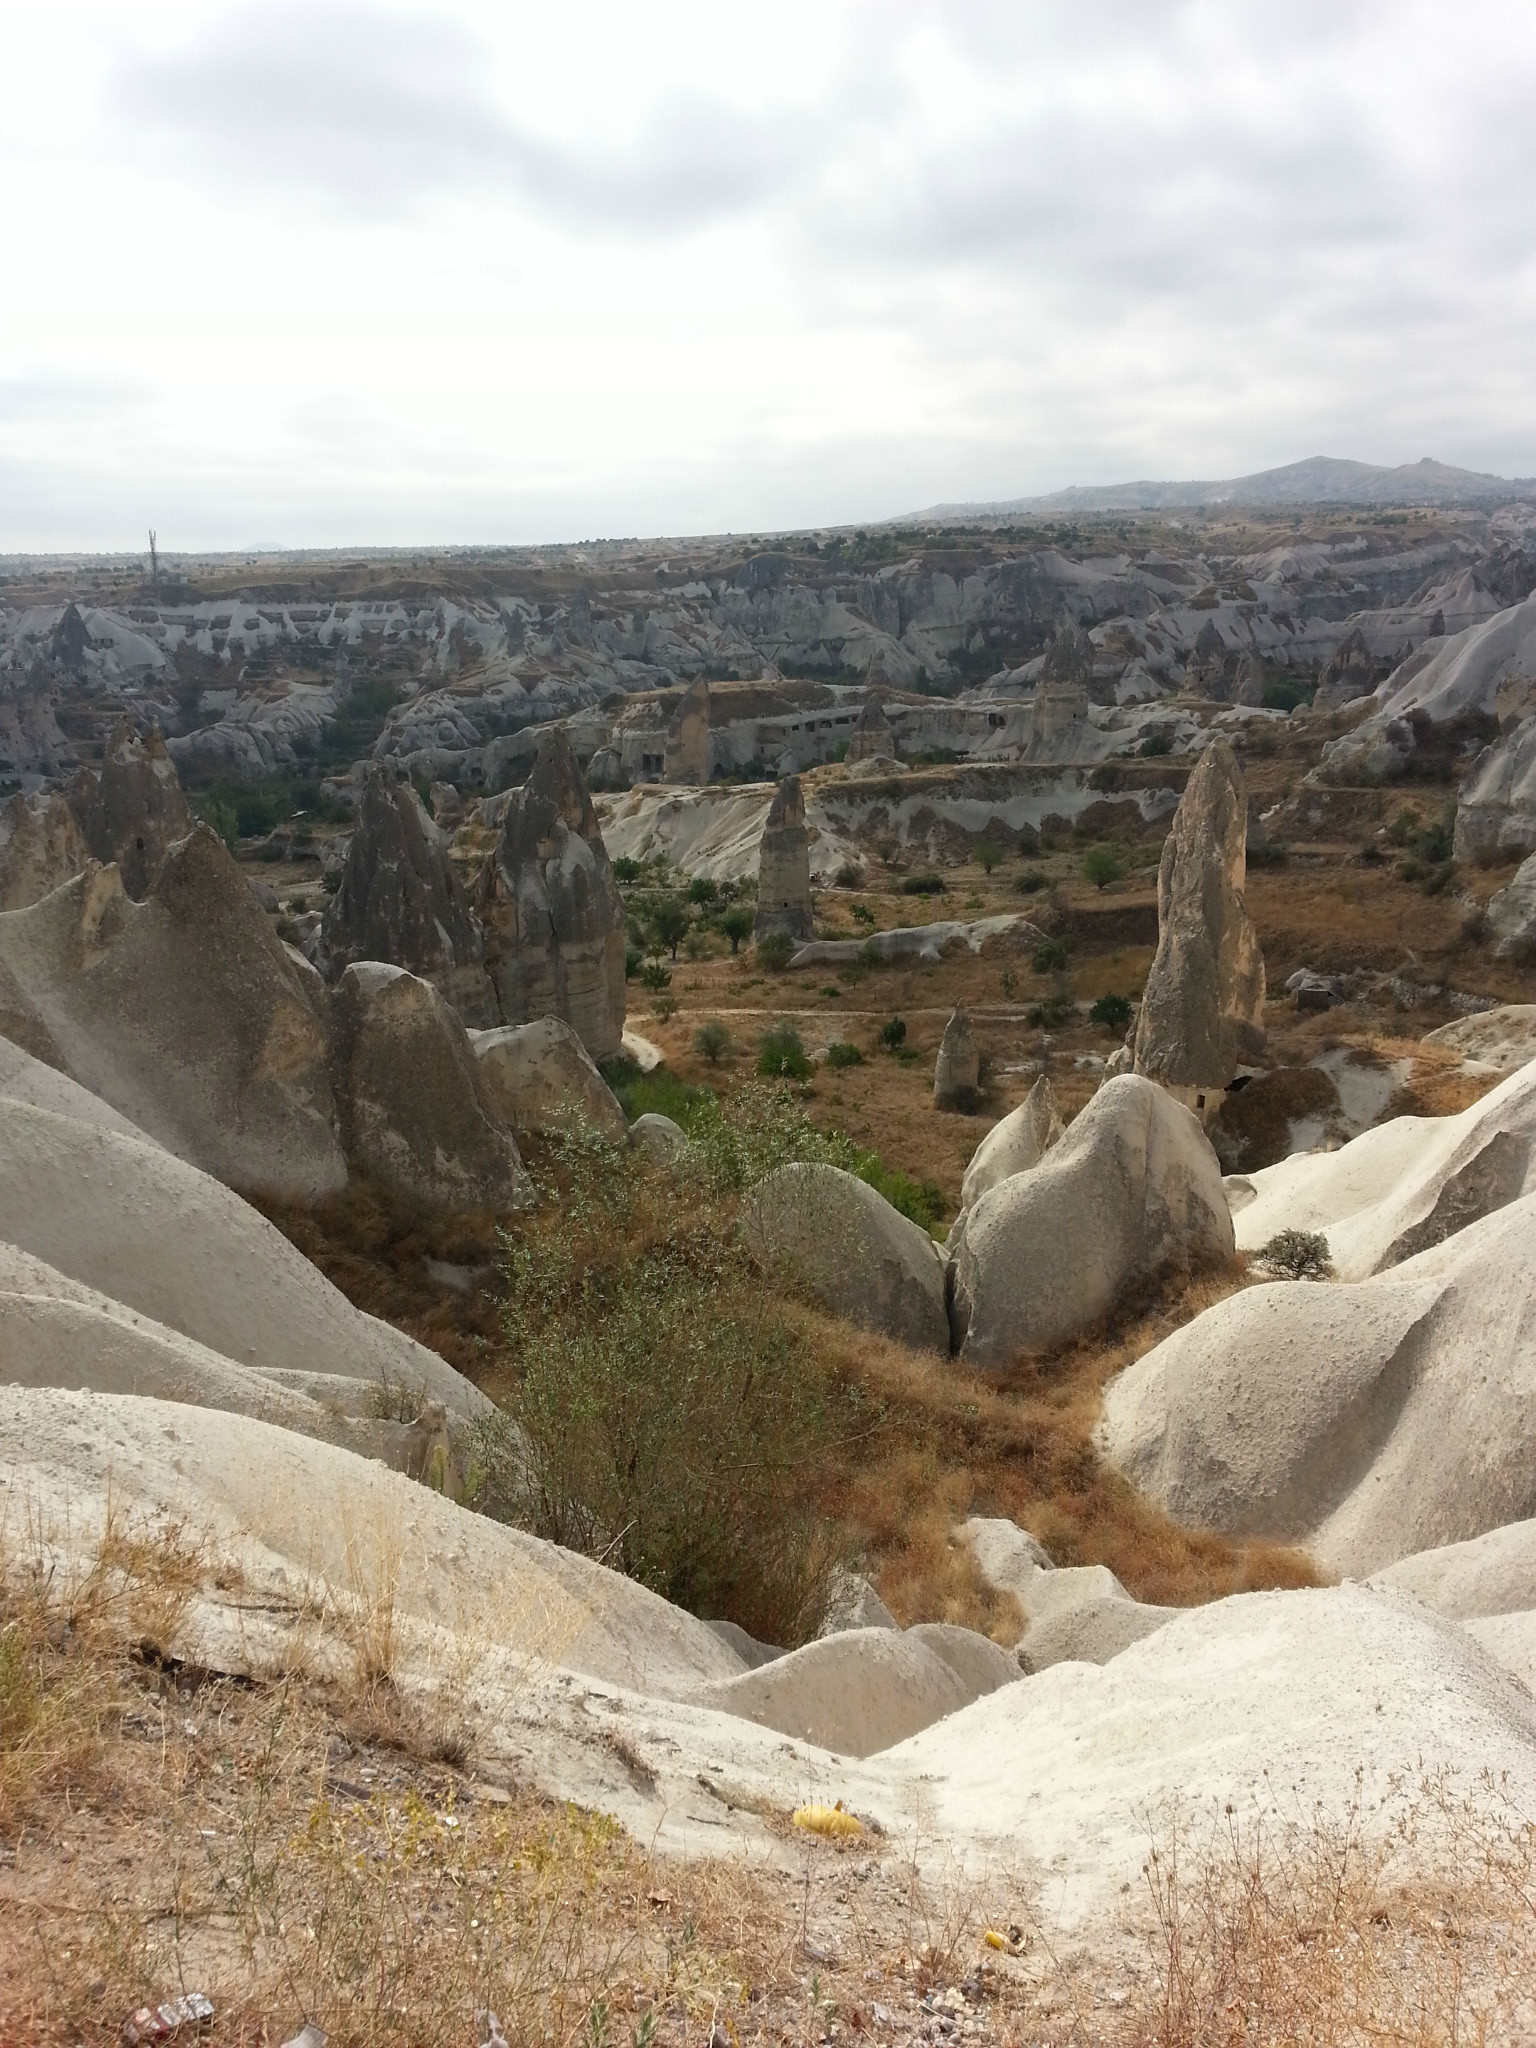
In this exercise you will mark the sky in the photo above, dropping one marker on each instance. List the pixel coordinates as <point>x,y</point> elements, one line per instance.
<point>331,273</point>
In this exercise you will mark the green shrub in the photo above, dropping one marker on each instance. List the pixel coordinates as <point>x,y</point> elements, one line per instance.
<point>737,925</point>
<point>925,884</point>
<point>1052,1013</point>
<point>625,869</point>
<point>861,913</point>
<point>661,1092</point>
<point>703,891</point>
<point>1030,883</point>
<point>988,856</point>
<point>1101,866</point>
<point>712,1040</point>
<point>918,1200</point>
<point>655,974</point>
<point>840,1053</point>
<point>220,815</point>
<point>781,1055</point>
<point>1112,1011</point>
<point>775,950</point>
<point>1159,741</point>
<point>1296,1255</point>
<point>633,959</point>
<point>893,1033</point>
<point>1050,956</point>
<point>848,876</point>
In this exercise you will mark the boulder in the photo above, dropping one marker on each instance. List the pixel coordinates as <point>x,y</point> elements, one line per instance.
<point>857,1255</point>
<point>1349,675</point>
<point>138,810</point>
<point>686,754</point>
<point>957,1070</point>
<point>659,1139</point>
<point>1020,1141</point>
<point>1366,1420</point>
<point>41,845</point>
<point>1203,1011</point>
<point>447,806</point>
<point>1504,1038</point>
<point>400,900</point>
<point>1079,1614</point>
<point>1496,804</point>
<point>415,1115</point>
<point>185,1013</point>
<point>784,867</point>
<point>551,910</point>
<point>1132,1190</point>
<point>1511,916</point>
<point>536,1075</point>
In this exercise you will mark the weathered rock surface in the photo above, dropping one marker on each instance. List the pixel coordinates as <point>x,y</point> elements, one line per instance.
<point>957,1070</point>
<point>138,809</point>
<point>872,738</point>
<point>1020,1141</point>
<point>925,942</point>
<point>41,845</point>
<point>1512,915</point>
<point>535,1075</point>
<point>1504,1037</point>
<point>845,1243</point>
<point>1203,1011</point>
<point>686,757</point>
<point>416,1116</point>
<point>784,867</point>
<point>400,900</point>
<point>1349,675</point>
<point>1132,1190</point>
<point>1367,1421</point>
<point>551,910</point>
<point>185,1013</point>
<point>1077,1614</point>
<point>1496,804</point>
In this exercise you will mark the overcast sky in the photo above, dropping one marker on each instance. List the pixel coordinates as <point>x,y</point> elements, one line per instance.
<point>331,273</point>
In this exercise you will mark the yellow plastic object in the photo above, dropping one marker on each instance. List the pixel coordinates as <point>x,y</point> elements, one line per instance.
<point>827,1820</point>
<point>996,1940</point>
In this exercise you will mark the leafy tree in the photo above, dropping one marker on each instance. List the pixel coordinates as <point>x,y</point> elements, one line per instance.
<point>1101,866</point>
<point>712,1040</point>
<point>1112,1011</point>
<point>737,925</point>
<point>669,921</point>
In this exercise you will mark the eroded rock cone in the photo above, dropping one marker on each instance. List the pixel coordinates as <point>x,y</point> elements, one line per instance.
<point>957,1070</point>
<point>401,901</point>
<point>784,867</point>
<point>686,756</point>
<point>1205,673</point>
<point>1350,675</point>
<point>872,737</point>
<point>41,847</point>
<point>138,810</point>
<point>1020,1141</point>
<point>1203,1012</point>
<point>550,909</point>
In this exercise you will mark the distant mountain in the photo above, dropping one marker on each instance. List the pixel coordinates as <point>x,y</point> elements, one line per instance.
<point>1320,480</point>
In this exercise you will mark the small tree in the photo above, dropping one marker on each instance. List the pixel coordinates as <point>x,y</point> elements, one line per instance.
<point>782,1056</point>
<point>774,951</point>
<point>893,1035</point>
<point>655,975</point>
<point>1297,1255</point>
<point>737,925</point>
<point>669,921</point>
<point>988,856</point>
<point>1101,866</point>
<point>712,1040</point>
<point>703,891</point>
<point>1114,1012</point>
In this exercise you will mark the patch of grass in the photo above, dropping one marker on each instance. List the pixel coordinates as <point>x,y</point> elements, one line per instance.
<point>661,1093</point>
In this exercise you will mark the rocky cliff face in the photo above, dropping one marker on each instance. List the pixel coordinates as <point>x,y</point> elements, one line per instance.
<point>784,867</point>
<point>1203,1012</point>
<point>138,809</point>
<point>550,908</point>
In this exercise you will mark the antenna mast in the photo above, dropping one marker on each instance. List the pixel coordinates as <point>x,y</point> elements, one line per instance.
<point>154,564</point>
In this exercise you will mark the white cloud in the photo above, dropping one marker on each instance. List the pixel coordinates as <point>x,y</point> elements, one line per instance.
<point>477,272</point>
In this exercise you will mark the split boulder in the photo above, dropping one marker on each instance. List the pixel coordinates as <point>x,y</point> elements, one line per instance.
<point>1020,1141</point>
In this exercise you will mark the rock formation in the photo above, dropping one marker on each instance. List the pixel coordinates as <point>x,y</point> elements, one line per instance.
<point>686,758</point>
<point>1020,1141</point>
<point>550,908</point>
<point>41,845</point>
<point>138,809</point>
<point>1512,916</point>
<point>1349,675</point>
<point>416,1116</point>
<point>185,1013</point>
<point>1061,697</point>
<point>872,737</point>
<point>1252,677</point>
<point>784,867</point>
<point>957,1070</point>
<point>1203,1012</point>
<point>1205,673</point>
<point>834,1235</point>
<point>1132,1190</point>
<point>400,900</point>
<point>1496,804</point>
<point>536,1075</point>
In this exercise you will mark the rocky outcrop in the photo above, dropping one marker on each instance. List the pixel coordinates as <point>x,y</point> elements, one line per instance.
<point>1251,681</point>
<point>185,1013</point>
<point>138,810</point>
<point>872,738</point>
<point>1206,671</point>
<point>400,900</point>
<point>1496,804</point>
<point>1511,916</point>
<point>957,1070</point>
<point>550,909</point>
<point>784,867</point>
<point>1203,1012</point>
<point>1132,1191</point>
<point>833,1235</point>
<point>41,845</point>
<point>537,1076</point>
<point>1349,675</point>
<point>1020,1141</point>
<point>1061,698</point>
<point>686,757</point>
<point>415,1115</point>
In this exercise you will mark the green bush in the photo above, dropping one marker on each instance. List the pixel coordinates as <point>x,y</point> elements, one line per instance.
<point>661,1093</point>
<point>669,921</point>
<point>781,1055</point>
<point>1112,1011</point>
<point>988,856</point>
<point>1050,956</point>
<point>703,891</point>
<point>656,975</point>
<point>893,1033</point>
<point>861,914</point>
<point>625,869</point>
<point>1052,1013</point>
<point>632,962</point>
<point>737,925</point>
<point>712,1040</point>
<point>1030,883</point>
<point>840,1053</point>
<point>775,950</point>
<point>919,1200</point>
<point>1296,1255</point>
<point>1157,742</point>
<point>925,884</point>
<point>221,816</point>
<point>1101,866</point>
